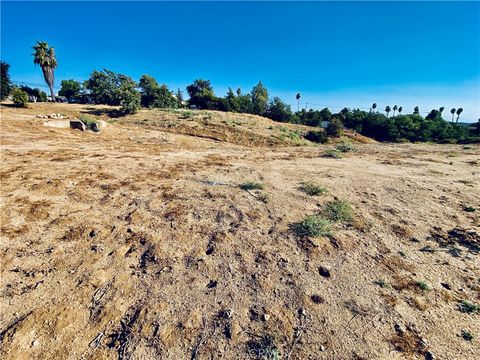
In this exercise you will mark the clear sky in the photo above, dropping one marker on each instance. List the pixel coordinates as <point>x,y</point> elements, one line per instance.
<point>333,53</point>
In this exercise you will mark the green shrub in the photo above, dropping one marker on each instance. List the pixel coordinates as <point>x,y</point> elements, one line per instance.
<point>129,98</point>
<point>90,123</point>
<point>313,225</point>
<point>422,285</point>
<point>335,128</point>
<point>333,154</point>
<point>250,185</point>
<point>468,307</point>
<point>467,335</point>
<point>345,147</point>
<point>312,189</point>
<point>316,136</point>
<point>20,97</point>
<point>338,210</point>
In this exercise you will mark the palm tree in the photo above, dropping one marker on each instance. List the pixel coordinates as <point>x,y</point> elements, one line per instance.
<point>395,107</point>
<point>459,111</point>
<point>387,110</point>
<point>374,106</point>
<point>441,109</point>
<point>452,111</point>
<point>416,110</point>
<point>400,109</point>
<point>44,56</point>
<point>298,101</point>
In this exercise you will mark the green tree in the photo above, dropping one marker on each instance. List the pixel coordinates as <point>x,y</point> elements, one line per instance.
<point>70,88</point>
<point>127,95</point>
<point>44,56</point>
<point>441,109</point>
<point>452,111</point>
<point>400,109</point>
<point>416,110</point>
<point>279,111</point>
<point>395,107</point>
<point>179,97</point>
<point>20,97</point>
<point>387,110</point>
<point>103,86</point>
<point>149,90</point>
<point>459,111</point>
<point>374,106</point>
<point>41,96</point>
<point>232,101</point>
<point>6,85</point>
<point>335,128</point>
<point>259,99</point>
<point>201,94</point>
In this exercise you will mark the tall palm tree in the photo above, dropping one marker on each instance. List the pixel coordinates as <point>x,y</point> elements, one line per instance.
<point>459,111</point>
<point>441,109</point>
<point>395,107</point>
<point>44,56</point>
<point>452,111</point>
<point>387,110</point>
<point>416,110</point>
<point>374,106</point>
<point>400,109</point>
<point>298,101</point>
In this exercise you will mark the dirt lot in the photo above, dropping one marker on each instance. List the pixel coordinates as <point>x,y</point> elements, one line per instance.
<point>138,243</point>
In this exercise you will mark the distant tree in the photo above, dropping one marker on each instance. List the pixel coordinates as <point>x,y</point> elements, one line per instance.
<point>459,111</point>
<point>335,127</point>
<point>298,101</point>
<point>44,56</point>
<point>279,111</point>
<point>387,110</point>
<point>201,94</point>
<point>20,97</point>
<point>416,110</point>
<point>232,101</point>
<point>149,89</point>
<point>452,111</point>
<point>70,88</point>
<point>37,94</point>
<point>127,95</point>
<point>441,109</point>
<point>374,106</point>
<point>179,97</point>
<point>400,109</point>
<point>434,114</point>
<point>259,99</point>
<point>6,85</point>
<point>395,107</point>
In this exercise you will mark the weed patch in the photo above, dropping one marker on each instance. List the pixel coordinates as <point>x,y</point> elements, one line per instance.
<point>332,154</point>
<point>312,189</point>
<point>313,226</point>
<point>250,185</point>
<point>338,210</point>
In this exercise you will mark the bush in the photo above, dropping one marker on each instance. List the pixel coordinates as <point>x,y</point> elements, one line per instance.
<point>468,307</point>
<point>316,136</point>
<point>250,185</point>
<point>313,226</point>
<point>129,97</point>
<point>335,128</point>
<point>90,123</point>
<point>332,153</point>
<point>345,147</point>
<point>338,210</point>
<point>312,189</point>
<point>20,97</point>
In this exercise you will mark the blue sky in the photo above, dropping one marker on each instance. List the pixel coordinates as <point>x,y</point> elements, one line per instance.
<point>334,53</point>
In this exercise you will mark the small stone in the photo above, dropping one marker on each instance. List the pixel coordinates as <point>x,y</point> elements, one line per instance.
<point>322,348</point>
<point>265,317</point>
<point>317,299</point>
<point>429,356</point>
<point>35,343</point>
<point>399,329</point>
<point>324,271</point>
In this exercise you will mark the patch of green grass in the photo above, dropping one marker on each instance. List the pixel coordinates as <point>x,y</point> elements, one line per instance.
<point>339,210</point>
<point>333,154</point>
<point>250,185</point>
<point>263,348</point>
<point>467,335</point>
<point>468,307</point>
<point>422,285</point>
<point>312,189</point>
<point>402,254</point>
<point>187,114</point>
<point>382,283</point>
<point>345,147</point>
<point>313,226</point>
<point>469,209</point>
<point>90,123</point>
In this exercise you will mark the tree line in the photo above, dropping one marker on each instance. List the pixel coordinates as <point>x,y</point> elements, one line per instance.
<point>108,87</point>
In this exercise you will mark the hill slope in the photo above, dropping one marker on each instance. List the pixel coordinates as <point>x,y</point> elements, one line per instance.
<point>138,242</point>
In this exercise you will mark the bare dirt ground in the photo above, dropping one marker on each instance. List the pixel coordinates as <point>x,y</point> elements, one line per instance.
<point>137,243</point>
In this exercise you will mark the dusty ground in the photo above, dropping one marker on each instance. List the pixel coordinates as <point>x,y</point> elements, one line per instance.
<point>137,243</point>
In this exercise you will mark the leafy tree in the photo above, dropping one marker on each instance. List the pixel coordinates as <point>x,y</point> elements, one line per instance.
<point>259,99</point>
<point>279,111</point>
<point>201,94</point>
<point>20,97</point>
<point>395,107</point>
<point>127,95</point>
<point>6,85</point>
<point>44,56</point>
<point>434,114</point>
<point>459,111</point>
<point>103,86</point>
<point>40,95</point>
<point>70,88</point>
<point>335,128</point>
<point>179,97</point>
<point>452,111</point>
<point>149,90</point>
<point>387,110</point>
<point>416,110</point>
<point>232,101</point>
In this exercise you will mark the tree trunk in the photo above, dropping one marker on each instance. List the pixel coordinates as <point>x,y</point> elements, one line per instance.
<point>52,93</point>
